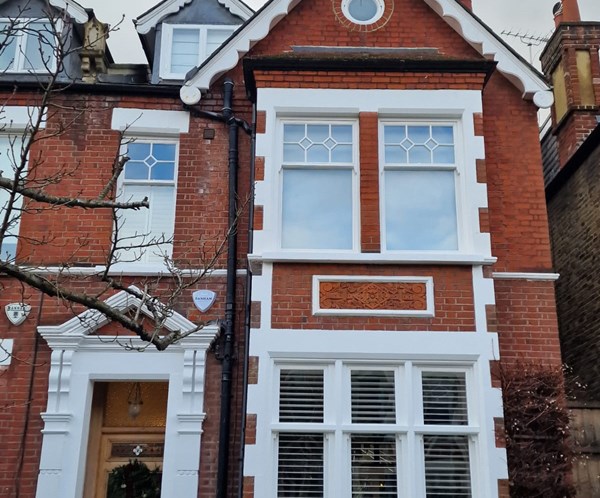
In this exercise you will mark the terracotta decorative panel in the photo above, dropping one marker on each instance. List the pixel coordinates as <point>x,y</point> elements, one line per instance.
<point>409,296</point>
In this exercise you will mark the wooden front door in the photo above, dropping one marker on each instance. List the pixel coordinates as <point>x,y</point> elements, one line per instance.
<point>125,454</point>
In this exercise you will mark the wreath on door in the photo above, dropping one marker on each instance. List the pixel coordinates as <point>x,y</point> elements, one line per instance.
<point>134,480</point>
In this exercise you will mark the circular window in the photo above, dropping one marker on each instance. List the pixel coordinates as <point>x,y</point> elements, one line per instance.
<point>363,11</point>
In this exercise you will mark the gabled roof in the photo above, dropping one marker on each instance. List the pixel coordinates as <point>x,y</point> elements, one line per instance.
<point>149,19</point>
<point>531,83</point>
<point>76,11</point>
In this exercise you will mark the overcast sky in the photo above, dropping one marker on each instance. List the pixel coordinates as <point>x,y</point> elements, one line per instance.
<point>533,17</point>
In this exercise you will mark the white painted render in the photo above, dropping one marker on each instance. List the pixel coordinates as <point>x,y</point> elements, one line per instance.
<point>79,359</point>
<point>150,121</point>
<point>471,351</point>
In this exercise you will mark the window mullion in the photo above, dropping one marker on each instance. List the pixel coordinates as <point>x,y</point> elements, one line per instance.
<point>20,46</point>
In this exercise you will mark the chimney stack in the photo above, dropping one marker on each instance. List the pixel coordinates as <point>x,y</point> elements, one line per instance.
<point>570,61</point>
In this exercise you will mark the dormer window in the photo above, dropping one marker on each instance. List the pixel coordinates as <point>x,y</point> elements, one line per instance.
<point>27,46</point>
<point>185,46</point>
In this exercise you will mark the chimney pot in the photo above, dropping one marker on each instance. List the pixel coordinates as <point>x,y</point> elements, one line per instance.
<point>571,11</point>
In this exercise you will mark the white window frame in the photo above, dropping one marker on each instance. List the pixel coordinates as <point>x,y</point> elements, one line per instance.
<point>21,44</point>
<point>380,4</point>
<point>315,119</point>
<point>166,49</point>
<point>122,183</point>
<point>409,427</point>
<point>17,138</point>
<point>15,120</point>
<point>457,167</point>
<point>460,106</point>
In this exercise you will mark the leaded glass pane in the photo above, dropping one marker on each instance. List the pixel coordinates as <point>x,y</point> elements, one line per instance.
<point>424,144</point>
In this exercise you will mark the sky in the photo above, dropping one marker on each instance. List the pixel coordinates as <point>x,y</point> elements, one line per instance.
<point>525,17</point>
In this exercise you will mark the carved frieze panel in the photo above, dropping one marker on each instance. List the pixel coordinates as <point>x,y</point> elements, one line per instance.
<point>396,296</point>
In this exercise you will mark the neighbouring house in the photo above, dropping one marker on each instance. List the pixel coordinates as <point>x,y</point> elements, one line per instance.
<point>398,254</point>
<point>78,399</point>
<point>571,148</point>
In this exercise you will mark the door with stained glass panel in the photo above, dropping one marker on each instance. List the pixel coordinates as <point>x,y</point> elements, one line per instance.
<point>126,446</point>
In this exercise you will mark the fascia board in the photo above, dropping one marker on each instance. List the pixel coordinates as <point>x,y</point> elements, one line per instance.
<point>145,23</point>
<point>149,20</point>
<point>228,56</point>
<point>238,8</point>
<point>76,11</point>
<point>521,74</point>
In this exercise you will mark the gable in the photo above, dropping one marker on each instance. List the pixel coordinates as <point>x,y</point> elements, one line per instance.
<point>413,24</point>
<point>39,8</point>
<point>92,321</point>
<point>409,24</point>
<point>191,11</point>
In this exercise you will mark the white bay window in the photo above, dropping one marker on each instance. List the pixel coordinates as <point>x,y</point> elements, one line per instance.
<point>346,429</point>
<point>151,172</point>
<point>318,206</point>
<point>419,196</point>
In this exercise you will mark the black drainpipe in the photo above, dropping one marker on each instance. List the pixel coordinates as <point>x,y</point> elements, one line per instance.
<point>228,325</point>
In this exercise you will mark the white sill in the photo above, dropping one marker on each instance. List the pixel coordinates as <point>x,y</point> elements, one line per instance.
<point>438,258</point>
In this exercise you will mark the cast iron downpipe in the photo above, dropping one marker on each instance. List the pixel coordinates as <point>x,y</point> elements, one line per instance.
<point>229,323</point>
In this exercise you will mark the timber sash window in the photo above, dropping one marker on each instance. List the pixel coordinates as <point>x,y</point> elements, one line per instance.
<point>419,196</point>
<point>186,46</point>
<point>146,235</point>
<point>346,429</point>
<point>28,45</point>
<point>318,185</point>
<point>10,210</point>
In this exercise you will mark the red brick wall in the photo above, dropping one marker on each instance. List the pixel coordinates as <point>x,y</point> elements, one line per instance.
<point>366,80</point>
<point>412,24</point>
<point>517,205</point>
<point>200,224</point>
<point>86,148</point>
<point>528,329</point>
<point>369,183</point>
<point>292,298</point>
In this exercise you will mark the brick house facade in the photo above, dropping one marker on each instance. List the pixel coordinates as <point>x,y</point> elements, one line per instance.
<point>571,147</point>
<point>398,250</point>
